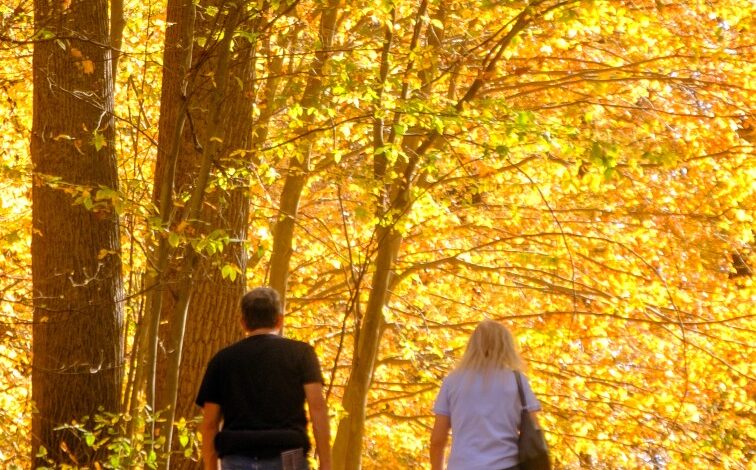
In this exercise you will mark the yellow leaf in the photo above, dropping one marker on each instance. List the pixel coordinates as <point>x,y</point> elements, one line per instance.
<point>560,43</point>
<point>88,66</point>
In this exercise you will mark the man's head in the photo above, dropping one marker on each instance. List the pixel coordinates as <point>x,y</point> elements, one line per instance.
<point>261,308</point>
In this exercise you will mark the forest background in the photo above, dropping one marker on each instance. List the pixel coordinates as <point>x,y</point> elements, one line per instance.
<point>581,170</point>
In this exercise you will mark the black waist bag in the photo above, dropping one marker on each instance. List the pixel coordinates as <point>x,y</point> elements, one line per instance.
<point>259,443</point>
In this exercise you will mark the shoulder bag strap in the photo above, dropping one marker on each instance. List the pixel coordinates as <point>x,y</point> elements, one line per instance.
<point>519,389</point>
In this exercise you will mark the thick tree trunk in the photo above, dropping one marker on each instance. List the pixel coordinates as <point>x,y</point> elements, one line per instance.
<point>76,269</point>
<point>173,111</point>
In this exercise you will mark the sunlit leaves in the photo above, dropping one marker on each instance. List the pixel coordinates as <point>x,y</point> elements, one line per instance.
<point>593,195</point>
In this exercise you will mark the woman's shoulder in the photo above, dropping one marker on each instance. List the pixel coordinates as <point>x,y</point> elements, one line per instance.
<point>459,376</point>
<point>500,372</point>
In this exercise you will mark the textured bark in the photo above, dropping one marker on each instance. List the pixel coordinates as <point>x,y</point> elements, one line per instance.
<point>178,57</point>
<point>218,121</point>
<point>76,270</point>
<point>117,24</point>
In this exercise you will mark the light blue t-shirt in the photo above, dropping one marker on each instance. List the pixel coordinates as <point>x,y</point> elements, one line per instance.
<point>485,416</point>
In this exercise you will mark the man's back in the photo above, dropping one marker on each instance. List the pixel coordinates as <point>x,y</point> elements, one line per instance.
<point>256,389</point>
<point>258,382</point>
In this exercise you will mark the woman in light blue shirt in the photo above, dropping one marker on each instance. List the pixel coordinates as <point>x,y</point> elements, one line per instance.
<point>479,402</point>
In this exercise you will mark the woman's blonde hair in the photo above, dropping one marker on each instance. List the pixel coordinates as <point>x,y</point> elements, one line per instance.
<point>491,347</point>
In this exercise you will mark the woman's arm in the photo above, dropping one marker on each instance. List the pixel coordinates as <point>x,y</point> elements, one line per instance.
<point>439,436</point>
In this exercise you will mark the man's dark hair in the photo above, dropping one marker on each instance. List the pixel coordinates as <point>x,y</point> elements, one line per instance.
<point>260,308</point>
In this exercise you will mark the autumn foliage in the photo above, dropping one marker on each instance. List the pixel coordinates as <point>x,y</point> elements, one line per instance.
<point>582,171</point>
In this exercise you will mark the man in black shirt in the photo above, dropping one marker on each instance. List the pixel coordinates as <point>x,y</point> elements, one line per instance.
<point>257,388</point>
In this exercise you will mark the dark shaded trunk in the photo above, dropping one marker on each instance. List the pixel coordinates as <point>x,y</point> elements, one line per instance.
<point>76,268</point>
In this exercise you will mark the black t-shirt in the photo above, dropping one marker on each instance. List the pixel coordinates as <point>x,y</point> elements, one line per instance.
<point>259,383</point>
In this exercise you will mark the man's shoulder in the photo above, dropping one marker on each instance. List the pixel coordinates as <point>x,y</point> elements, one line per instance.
<point>267,341</point>
<point>231,350</point>
<point>223,353</point>
<point>293,343</point>
<point>257,345</point>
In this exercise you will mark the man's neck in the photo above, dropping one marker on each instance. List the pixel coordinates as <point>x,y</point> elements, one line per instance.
<point>262,331</point>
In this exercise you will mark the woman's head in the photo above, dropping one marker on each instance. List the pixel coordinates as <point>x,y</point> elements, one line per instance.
<point>490,347</point>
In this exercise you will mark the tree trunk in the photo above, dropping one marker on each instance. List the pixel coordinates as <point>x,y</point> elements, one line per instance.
<point>347,449</point>
<point>76,268</point>
<point>217,120</point>
<point>299,164</point>
<point>394,201</point>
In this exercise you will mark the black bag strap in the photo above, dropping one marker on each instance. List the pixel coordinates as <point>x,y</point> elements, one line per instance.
<point>519,390</point>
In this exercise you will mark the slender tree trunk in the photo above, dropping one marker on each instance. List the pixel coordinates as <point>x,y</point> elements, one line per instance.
<point>299,164</point>
<point>347,450</point>
<point>199,306</point>
<point>173,110</point>
<point>394,201</point>
<point>76,268</point>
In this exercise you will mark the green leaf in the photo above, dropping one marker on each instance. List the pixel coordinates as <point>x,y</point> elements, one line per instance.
<point>295,111</point>
<point>400,129</point>
<point>99,141</point>
<point>229,271</point>
<point>105,193</point>
<point>174,239</point>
